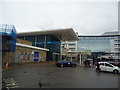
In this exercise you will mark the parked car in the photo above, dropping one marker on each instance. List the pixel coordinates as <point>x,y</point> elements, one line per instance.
<point>106,66</point>
<point>65,63</point>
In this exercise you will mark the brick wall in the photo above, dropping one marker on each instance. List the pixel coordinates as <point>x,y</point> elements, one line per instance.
<point>23,54</point>
<point>24,42</point>
<point>8,57</point>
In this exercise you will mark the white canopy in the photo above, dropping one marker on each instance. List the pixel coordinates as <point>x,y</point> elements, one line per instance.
<point>62,34</point>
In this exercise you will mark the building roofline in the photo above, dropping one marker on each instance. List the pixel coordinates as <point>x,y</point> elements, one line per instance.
<point>97,35</point>
<point>66,34</point>
<point>111,33</point>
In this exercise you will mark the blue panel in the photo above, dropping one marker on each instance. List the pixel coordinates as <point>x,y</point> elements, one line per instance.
<point>35,60</point>
<point>36,56</point>
<point>8,33</point>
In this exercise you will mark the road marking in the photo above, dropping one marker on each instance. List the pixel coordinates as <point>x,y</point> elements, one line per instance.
<point>10,83</point>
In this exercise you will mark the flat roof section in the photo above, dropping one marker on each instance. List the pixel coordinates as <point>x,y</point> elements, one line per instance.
<point>111,33</point>
<point>67,34</point>
<point>28,46</point>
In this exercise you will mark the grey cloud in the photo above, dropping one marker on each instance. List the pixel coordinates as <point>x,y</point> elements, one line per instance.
<point>85,18</point>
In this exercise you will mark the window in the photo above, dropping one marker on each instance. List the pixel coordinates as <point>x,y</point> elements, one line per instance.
<point>63,45</point>
<point>71,41</point>
<point>117,41</point>
<point>108,65</point>
<point>117,45</point>
<point>72,44</point>
<point>117,49</point>
<point>72,48</point>
<point>102,64</point>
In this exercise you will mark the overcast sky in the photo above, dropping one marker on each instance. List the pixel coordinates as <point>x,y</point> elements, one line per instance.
<point>86,18</point>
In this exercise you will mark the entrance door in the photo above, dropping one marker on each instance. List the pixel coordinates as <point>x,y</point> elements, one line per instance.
<point>56,56</point>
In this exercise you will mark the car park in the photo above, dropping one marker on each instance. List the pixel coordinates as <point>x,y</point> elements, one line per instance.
<point>65,63</point>
<point>106,66</point>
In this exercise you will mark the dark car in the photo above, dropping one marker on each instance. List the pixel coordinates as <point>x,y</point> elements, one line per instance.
<point>65,63</point>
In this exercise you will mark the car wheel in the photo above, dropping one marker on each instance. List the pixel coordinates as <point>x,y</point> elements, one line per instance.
<point>61,65</point>
<point>115,71</point>
<point>73,65</point>
<point>58,65</point>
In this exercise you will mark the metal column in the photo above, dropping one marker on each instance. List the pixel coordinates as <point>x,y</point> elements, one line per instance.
<point>35,40</point>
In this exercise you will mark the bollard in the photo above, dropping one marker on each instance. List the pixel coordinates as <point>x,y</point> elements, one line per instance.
<point>6,66</point>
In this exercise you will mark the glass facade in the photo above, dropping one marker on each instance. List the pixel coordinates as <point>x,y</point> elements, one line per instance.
<point>99,45</point>
<point>94,44</point>
<point>45,41</point>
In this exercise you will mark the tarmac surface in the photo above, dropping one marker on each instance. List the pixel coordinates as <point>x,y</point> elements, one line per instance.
<point>0,77</point>
<point>50,76</point>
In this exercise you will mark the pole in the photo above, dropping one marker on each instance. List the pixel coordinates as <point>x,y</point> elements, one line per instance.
<point>5,27</point>
<point>61,52</point>
<point>71,57</point>
<point>24,37</point>
<point>80,59</point>
<point>66,49</point>
<point>45,42</point>
<point>35,40</point>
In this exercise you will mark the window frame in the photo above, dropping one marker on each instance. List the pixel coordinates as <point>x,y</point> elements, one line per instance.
<point>108,65</point>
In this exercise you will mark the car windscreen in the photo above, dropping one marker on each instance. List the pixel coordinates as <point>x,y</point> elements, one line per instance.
<point>101,64</point>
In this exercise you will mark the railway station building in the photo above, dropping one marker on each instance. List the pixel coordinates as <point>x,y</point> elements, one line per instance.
<point>49,39</point>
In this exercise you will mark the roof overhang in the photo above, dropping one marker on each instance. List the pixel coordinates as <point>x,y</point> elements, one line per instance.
<point>28,46</point>
<point>62,34</point>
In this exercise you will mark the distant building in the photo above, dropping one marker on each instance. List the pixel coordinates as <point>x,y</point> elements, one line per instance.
<point>114,42</point>
<point>70,45</point>
<point>115,45</point>
<point>107,43</point>
<point>70,48</point>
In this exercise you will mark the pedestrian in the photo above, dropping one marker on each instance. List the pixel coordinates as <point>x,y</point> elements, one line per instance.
<point>88,63</point>
<point>98,67</point>
<point>85,63</point>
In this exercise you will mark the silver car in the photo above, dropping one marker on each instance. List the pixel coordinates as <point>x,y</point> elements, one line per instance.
<point>105,66</point>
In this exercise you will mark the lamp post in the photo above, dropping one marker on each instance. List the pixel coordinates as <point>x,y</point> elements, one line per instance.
<point>66,49</point>
<point>80,59</point>
<point>71,57</point>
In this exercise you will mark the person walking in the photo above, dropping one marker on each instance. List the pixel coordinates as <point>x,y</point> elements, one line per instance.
<point>98,67</point>
<point>88,63</point>
<point>85,64</point>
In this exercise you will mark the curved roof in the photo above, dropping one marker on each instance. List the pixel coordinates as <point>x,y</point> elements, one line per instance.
<point>62,34</point>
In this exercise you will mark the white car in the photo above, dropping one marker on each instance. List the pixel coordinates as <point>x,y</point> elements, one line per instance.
<point>105,66</point>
